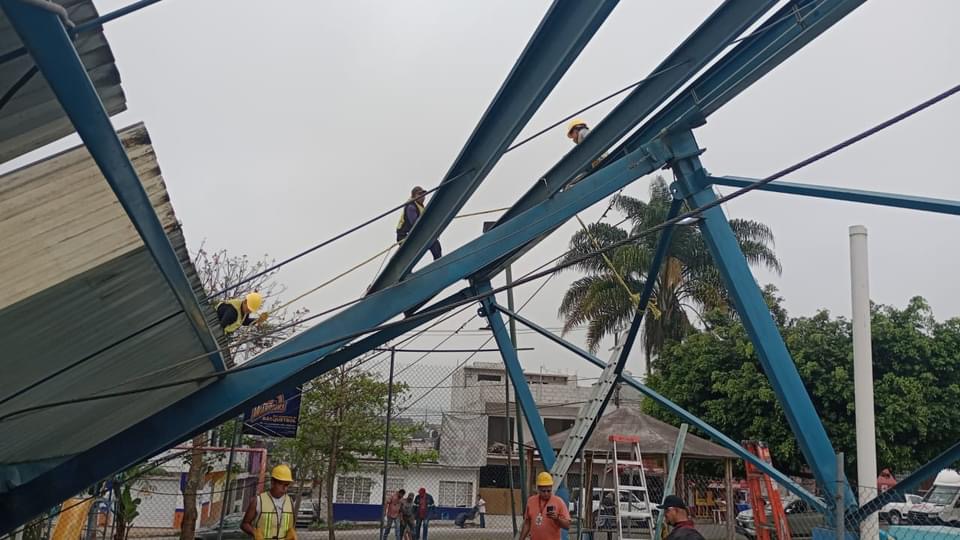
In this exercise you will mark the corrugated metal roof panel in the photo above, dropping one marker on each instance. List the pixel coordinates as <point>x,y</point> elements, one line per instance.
<point>34,117</point>
<point>87,292</point>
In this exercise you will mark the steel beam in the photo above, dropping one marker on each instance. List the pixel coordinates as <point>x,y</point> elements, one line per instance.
<point>232,393</point>
<point>770,45</point>
<point>727,22</point>
<point>563,33</point>
<point>685,415</point>
<point>947,458</point>
<point>44,35</point>
<point>76,473</point>
<point>577,443</point>
<point>910,202</point>
<point>521,389</point>
<point>693,184</point>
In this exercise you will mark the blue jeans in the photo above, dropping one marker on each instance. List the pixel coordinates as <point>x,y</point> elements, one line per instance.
<point>483,522</point>
<point>422,525</point>
<point>386,528</point>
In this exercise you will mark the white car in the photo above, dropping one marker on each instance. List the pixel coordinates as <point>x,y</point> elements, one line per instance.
<point>896,512</point>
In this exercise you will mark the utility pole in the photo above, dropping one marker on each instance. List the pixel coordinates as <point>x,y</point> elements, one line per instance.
<point>386,439</point>
<point>863,376</point>
<point>227,494</point>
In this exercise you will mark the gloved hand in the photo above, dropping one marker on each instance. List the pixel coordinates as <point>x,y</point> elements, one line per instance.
<point>257,535</point>
<point>262,318</point>
<point>291,534</point>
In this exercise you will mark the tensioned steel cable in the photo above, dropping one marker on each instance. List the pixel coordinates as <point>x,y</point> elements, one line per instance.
<point>530,277</point>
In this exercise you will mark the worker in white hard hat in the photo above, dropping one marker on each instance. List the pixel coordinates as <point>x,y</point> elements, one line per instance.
<point>235,312</point>
<point>270,516</point>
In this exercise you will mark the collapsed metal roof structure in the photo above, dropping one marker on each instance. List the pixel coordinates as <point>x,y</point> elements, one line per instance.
<point>652,128</point>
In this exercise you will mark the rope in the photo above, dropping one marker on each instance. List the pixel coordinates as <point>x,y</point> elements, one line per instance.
<point>495,210</point>
<point>336,277</point>
<point>523,280</point>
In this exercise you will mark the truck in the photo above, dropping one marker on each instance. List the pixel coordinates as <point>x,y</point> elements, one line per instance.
<point>941,505</point>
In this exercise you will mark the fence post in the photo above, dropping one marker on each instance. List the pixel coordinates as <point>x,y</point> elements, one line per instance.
<point>386,440</point>
<point>838,506</point>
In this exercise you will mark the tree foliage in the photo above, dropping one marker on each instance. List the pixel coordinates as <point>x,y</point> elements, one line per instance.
<point>342,421</point>
<point>688,284</point>
<point>220,271</point>
<point>916,367</point>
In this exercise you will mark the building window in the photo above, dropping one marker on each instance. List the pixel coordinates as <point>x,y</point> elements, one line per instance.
<point>394,485</point>
<point>354,489</point>
<point>487,377</point>
<point>456,493</point>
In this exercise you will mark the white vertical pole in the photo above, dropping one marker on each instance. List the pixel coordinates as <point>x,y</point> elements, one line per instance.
<point>863,377</point>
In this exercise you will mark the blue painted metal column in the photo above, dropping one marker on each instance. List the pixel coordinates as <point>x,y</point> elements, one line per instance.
<point>521,390</point>
<point>44,35</point>
<point>910,202</point>
<point>684,414</point>
<point>694,186</point>
<point>659,255</point>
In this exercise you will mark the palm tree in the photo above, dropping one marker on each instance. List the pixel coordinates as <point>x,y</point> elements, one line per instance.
<point>687,285</point>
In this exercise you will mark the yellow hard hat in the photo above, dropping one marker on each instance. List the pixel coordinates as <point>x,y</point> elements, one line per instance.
<point>282,473</point>
<point>574,123</point>
<point>254,301</point>
<point>544,479</point>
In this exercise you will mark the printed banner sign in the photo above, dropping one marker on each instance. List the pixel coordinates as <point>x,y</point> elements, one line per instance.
<point>275,418</point>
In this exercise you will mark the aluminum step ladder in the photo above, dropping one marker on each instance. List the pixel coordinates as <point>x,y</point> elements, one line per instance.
<point>587,416</point>
<point>632,467</point>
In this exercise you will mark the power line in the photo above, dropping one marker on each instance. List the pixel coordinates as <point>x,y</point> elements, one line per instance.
<point>529,277</point>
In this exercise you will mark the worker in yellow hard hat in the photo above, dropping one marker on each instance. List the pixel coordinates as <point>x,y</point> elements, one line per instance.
<point>235,312</point>
<point>577,130</point>
<point>411,213</point>
<point>270,516</point>
<point>546,513</point>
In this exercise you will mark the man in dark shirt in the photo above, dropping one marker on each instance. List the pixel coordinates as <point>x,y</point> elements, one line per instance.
<point>676,515</point>
<point>235,312</point>
<point>411,213</point>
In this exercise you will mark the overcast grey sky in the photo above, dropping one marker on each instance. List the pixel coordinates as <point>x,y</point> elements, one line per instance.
<point>279,124</point>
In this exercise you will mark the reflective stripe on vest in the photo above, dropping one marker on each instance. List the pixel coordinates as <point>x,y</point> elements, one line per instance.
<point>402,224</point>
<point>232,327</point>
<point>267,521</point>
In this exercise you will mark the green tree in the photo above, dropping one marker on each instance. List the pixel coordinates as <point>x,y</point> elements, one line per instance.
<point>716,375</point>
<point>342,419</point>
<point>688,284</point>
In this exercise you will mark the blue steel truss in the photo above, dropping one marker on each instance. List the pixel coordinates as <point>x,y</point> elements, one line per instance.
<point>663,140</point>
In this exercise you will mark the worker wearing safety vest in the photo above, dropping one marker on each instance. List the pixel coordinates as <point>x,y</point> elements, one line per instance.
<point>235,312</point>
<point>411,213</point>
<point>270,516</point>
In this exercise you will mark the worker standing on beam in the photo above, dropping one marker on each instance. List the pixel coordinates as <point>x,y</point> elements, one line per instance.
<point>411,213</point>
<point>235,312</point>
<point>577,130</point>
<point>270,515</point>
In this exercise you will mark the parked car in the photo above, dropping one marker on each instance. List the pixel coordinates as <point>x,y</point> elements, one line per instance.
<point>941,505</point>
<point>897,513</point>
<point>633,510</point>
<point>801,518</point>
<point>231,529</point>
<point>307,513</point>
